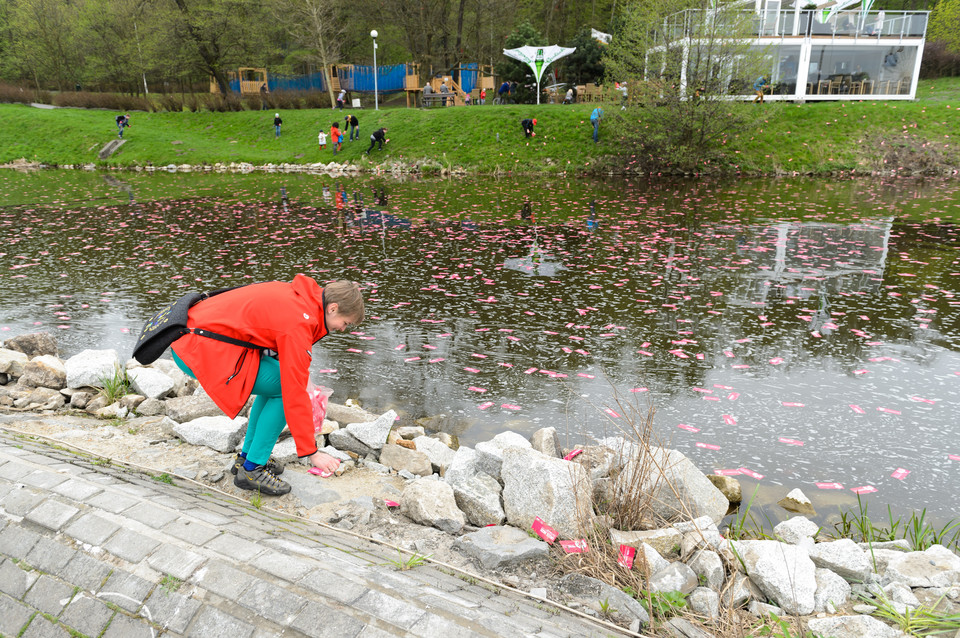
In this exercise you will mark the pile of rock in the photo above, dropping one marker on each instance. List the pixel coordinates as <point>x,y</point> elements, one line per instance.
<point>492,493</point>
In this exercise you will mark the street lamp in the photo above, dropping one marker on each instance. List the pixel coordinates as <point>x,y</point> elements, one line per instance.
<point>376,100</point>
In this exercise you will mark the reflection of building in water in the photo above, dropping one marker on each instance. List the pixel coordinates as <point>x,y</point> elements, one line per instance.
<point>537,263</point>
<point>804,259</point>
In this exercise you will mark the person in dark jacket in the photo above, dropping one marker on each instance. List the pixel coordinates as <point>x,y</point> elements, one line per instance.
<point>277,123</point>
<point>378,136</point>
<point>285,320</point>
<point>527,126</point>
<point>351,122</point>
<point>123,121</point>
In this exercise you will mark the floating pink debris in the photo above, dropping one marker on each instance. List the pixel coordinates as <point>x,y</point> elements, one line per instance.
<point>473,370</point>
<point>637,390</point>
<point>688,428</point>
<point>750,473</point>
<point>727,472</point>
<point>612,413</point>
<point>510,406</point>
<point>790,441</point>
<point>485,405</point>
<point>857,409</point>
<point>829,486</point>
<point>866,489</point>
<point>900,473</point>
<point>888,410</point>
<point>922,400</point>
<point>707,446</point>
<point>729,420</point>
<point>789,404</point>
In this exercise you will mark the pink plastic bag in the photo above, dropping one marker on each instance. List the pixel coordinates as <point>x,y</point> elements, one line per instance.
<point>319,396</point>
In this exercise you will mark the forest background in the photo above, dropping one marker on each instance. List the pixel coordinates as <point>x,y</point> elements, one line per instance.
<point>167,46</point>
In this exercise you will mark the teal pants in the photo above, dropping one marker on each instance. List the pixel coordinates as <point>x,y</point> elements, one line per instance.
<point>266,416</point>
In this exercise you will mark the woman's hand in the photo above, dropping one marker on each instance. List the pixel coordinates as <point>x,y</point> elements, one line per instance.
<point>324,462</point>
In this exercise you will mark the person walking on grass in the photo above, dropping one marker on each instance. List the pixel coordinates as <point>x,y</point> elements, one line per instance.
<point>379,136</point>
<point>285,320</point>
<point>353,124</point>
<point>336,138</point>
<point>759,86</point>
<point>340,98</point>
<point>595,118</point>
<point>527,126</point>
<point>322,139</point>
<point>123,121</point>
<point>277,123</point>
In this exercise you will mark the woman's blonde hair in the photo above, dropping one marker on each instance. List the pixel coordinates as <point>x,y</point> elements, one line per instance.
<point>346,294</point>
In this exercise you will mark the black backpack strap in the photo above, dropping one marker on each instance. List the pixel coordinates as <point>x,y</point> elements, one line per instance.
<point>225,339</point>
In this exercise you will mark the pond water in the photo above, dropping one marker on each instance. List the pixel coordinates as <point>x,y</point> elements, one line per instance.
<point>794,333</point>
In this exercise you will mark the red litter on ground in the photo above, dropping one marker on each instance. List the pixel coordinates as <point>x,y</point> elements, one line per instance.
<point>544,531</point>
<point>391,503</point>
<point>578,546</point>
<point>625,556</point>
<point>573,454</point>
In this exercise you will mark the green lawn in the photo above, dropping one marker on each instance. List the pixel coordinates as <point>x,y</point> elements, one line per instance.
<point>812,137</point>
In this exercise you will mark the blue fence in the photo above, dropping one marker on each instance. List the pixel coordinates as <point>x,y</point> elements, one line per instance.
<point>468,76</point>
<point>390,79</point>
<point>311,82</point>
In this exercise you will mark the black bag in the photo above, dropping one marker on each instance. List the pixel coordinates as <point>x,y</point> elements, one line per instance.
<point>168,325</point>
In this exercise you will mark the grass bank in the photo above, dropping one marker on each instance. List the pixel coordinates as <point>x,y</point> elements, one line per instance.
<point>812,138</point>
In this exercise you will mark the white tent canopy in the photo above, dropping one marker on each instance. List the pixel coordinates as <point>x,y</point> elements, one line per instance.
<point>538,58</point>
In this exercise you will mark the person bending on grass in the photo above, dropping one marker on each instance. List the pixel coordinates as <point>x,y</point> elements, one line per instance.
<point>286,319</point>
<point>378,136</point>
<point>527,126</point>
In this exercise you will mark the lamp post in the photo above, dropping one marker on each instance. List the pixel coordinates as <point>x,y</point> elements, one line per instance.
<point>376,99</point>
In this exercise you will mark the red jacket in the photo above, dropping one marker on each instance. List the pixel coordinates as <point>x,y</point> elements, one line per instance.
<point>284,317</point>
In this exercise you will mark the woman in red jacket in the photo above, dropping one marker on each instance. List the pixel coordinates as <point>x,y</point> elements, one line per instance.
<point>286,319</point>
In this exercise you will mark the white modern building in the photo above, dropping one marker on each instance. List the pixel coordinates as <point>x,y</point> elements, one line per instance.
<point>815,53</point>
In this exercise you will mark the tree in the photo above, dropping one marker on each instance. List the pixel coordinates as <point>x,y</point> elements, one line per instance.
<point>43,42</point>
<point>316,25</point>
<point>586,63</point>
<point>222,32</point>
<point>944,23</point>
<point>681,69</point>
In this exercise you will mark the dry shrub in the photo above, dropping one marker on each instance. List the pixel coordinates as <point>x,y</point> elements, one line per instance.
<point>193,102</point>
<point>219,103</point>
<point>280,100</point>
<point>253,102</point>
<point>108,101</point>
<point>18,94</point>
<point>170,102</point>
<point>316,100</point>
<point>939,61</point>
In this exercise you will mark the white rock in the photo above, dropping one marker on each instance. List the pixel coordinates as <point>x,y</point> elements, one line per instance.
<point>44,371</point>
<point>432,503</point>
<point>373,433</point>
<point>783,572</point>
<point>900,593</point>
<point>796,529</point>
<point>705,602</point>
<point>12,362</point>
<point>285,451</point>
<point>674,485</point>
<point>151,383</point>
<point>797,501</point>
<point>478,497</point>
<point>439,454</point>
<point>852,627</point>
<point>555,490</point>
<point>545,440</point>
<point>655,562</point>
<point>937,566</point>
<point>401,458</point>
<point>490,453</point>
<point>90,367</point>
<point>675,577</point>
<point>501,545</point>
<point>842,557</point>
<point>832,593</point>
<point>220,433</point>
<point>709,568</point>
<point>665,541</point>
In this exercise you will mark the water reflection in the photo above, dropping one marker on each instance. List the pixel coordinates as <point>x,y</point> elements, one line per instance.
<point>807,333</point>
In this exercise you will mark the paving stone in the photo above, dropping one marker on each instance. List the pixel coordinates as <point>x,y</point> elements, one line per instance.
<point>17,542</point>
<point>86,572</point>
<point>272,602</point>
<point>13,616</point>
<point>111,502</point>
<point>316,620</point>
<point>76,489</point>
<point>126,627</point>
<point>213,623</point>
<point>86,614</point>
<point>235,547</point>
<point>92,529</point>
<point>332,586</point>
<point>40,627</point>
<point>20,501</point>
<point>214,518</point>
<point>176,561</point>
<point>49,595</point>
<point>151,515</point>
<point>396,612</point>
<point>131,546</point>
<point>433,626</point>
<point>291,568</point>
<point>14,581</point>
<point>221,579</point>
<point>52,514</point>
<point>125,590</point>
<point>141,492</point>
<point>43,479</point>
<point>13,471</point>
<point>191,531</point>
<point>171,610</point>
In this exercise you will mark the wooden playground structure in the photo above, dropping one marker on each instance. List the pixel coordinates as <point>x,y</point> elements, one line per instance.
<point>251,79</point>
